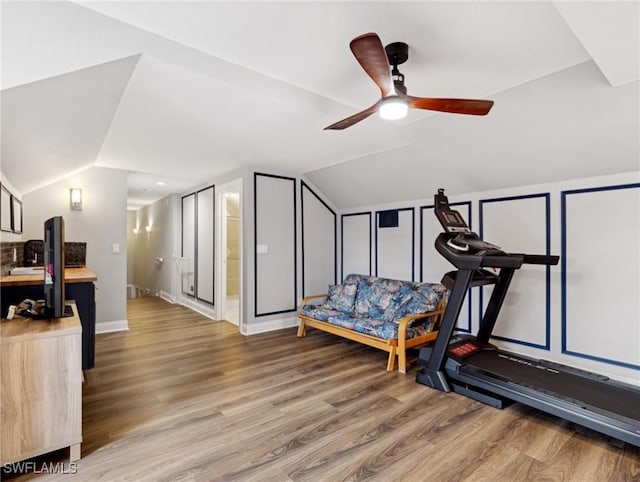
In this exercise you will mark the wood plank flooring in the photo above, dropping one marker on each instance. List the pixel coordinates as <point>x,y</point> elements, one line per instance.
<point>181,398</point>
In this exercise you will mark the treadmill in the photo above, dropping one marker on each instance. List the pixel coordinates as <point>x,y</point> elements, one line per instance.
<point>471,366</point>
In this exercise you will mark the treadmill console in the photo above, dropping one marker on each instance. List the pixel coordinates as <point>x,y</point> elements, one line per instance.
<point>465,240</point>
<point>451,220</point>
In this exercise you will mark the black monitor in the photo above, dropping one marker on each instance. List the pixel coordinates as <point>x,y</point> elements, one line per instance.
<point>54,268</point>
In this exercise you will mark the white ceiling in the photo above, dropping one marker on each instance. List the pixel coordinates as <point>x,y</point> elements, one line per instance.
<point>186,91</point>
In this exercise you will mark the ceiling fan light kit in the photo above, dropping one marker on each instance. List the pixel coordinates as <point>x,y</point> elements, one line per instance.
<point>394,102</point>
<point>393,107</point>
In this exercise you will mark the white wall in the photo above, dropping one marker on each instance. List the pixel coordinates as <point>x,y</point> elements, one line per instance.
<point>583,312</point>
<point>101,223</point>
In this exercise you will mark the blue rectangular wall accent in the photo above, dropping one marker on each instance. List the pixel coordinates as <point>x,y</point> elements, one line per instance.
<point>368,214</point>
<point>563,267</point>
<point>305,187</point>
<point>413,240</point>
<point>547,227</point>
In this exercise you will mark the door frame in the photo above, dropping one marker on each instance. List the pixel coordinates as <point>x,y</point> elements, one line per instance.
<point>235,186</point>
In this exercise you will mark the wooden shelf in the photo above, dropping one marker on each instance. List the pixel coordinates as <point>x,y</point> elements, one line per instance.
<point>71,275</point>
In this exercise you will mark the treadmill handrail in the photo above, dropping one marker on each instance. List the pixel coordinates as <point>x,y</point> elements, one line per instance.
<point>540,259</point>
<point>471,260</point>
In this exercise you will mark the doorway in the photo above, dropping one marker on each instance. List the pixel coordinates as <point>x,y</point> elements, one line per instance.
<point>229,254</point>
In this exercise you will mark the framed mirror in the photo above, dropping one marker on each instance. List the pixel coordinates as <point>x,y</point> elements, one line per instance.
<point>6,217</point>
<point>16,211</point>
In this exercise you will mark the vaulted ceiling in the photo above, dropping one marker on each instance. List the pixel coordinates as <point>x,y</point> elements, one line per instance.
<point>187,91</point>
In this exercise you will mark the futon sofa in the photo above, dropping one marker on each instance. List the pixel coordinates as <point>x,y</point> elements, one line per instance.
<point>388,314</point>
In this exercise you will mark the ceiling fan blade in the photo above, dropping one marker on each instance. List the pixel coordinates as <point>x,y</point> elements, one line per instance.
<point>454,106</point>
<point>354,119</point>
<point>370,53</point>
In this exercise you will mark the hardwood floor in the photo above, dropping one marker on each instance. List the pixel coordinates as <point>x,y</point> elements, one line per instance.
<point>179,397</point>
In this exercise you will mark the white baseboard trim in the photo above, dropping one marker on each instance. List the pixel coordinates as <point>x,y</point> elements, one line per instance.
<point>205,310</point>
<point>167,297</point>
<point>111,326</point>
<point>271,325</point>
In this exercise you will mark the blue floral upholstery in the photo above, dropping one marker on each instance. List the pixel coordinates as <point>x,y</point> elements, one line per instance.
<point>341,297</point>
<point>378,298</point>
<point>387,330</point>
<point>318,312</point>
<point>374,306</point>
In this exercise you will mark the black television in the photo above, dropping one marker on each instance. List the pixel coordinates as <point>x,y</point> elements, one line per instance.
<point>54,306</point>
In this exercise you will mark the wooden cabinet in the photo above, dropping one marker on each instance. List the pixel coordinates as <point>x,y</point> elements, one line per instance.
<point>41,392</point>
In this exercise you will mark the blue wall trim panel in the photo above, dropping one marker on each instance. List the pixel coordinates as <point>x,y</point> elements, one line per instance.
<point>547,228</point>
<point>413,240</point>
<point>365,213</point>
<point>563,267</point>
<point>303,186</point>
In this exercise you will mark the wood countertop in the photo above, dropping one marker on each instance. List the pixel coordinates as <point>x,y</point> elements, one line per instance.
<point>24,329</point>
<point>71,275</point>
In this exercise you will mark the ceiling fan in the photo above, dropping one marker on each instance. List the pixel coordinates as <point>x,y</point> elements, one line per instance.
<point>394,103</point>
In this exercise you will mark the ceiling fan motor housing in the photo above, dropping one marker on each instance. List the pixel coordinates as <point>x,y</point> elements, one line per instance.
<point>397,53</point>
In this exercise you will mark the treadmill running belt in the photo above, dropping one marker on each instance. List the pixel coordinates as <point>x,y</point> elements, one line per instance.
<point>599,394</point>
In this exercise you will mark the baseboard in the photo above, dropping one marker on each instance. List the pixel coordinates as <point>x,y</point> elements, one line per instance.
<point>167,297</point>
<point>271,325</point>
<point>111,326</point>
<point>208,310</point>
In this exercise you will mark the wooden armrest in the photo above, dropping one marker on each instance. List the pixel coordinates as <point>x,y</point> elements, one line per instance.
<point>437,314</point>
<point>404,322</point>
<point>306,299</point>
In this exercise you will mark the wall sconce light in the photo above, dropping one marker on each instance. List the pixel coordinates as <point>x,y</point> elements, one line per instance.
<point>75,195</point>
<point>148,228</point>
<point>136,230</point>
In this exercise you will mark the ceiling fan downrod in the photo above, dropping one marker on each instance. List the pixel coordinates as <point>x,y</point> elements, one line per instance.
<point>397,53</point>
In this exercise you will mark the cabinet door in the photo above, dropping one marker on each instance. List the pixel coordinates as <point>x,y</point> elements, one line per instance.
<point>188,244</point>
<point>42,406</point>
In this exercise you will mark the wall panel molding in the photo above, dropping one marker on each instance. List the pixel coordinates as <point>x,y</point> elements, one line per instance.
<point>275,229</point>
<point>205,246</point>
<point>352,217</point>
<point>304,187</point>
<point>546,345</point>
<point>413,239</point>
<point>188,239</point>
<point>595,274</point>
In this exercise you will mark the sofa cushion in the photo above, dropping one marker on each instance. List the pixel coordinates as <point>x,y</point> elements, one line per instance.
<point>412,304</point>
<point>341,297</point>
<point>377,298</point>
<point>318,312</point>
<point>432,292</point>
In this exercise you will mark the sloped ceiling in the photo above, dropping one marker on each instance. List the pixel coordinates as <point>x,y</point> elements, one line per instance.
<point>186,91</point>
